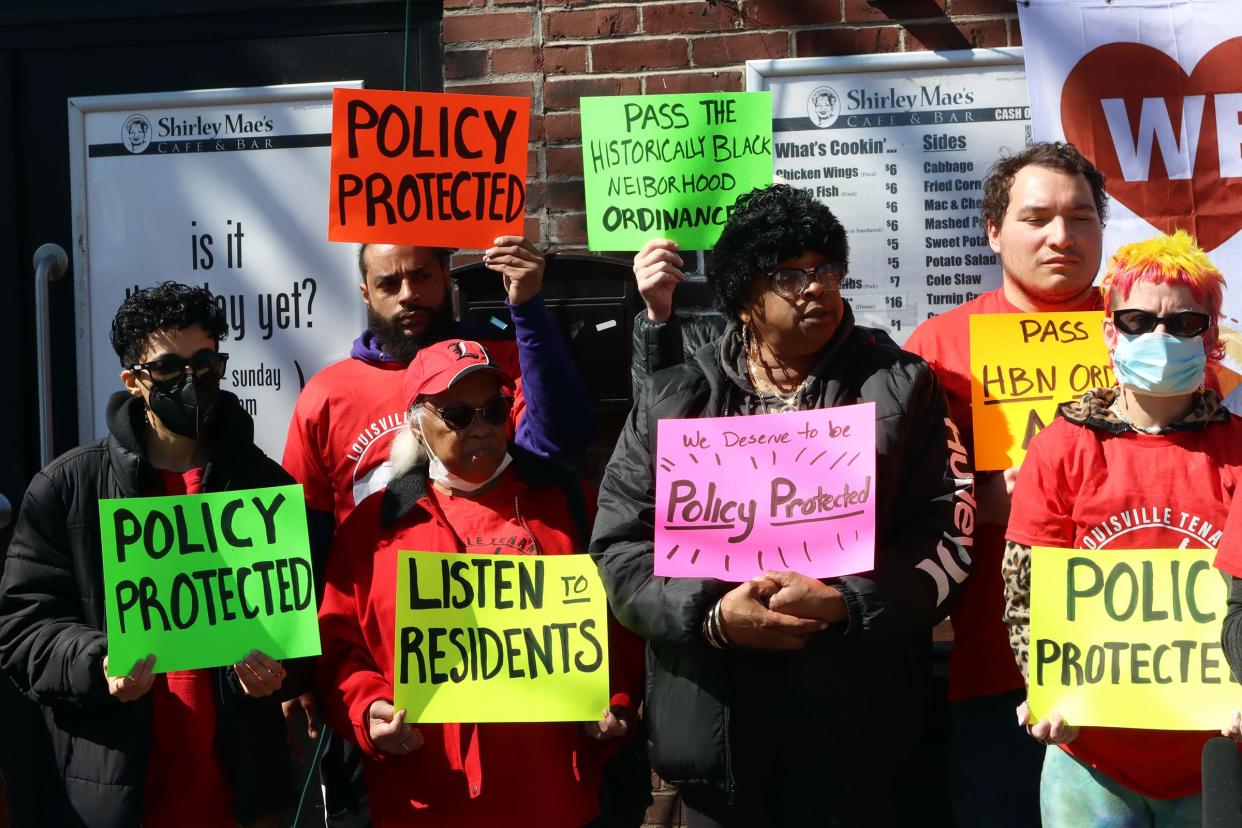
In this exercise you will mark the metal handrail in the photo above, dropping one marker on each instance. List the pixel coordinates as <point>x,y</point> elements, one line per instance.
<point>50,263</point>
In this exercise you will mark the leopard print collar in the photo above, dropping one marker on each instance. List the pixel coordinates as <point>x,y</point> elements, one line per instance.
<point>1094,409</point>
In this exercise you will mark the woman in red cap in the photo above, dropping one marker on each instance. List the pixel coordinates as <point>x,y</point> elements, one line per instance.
<point>458,486</point>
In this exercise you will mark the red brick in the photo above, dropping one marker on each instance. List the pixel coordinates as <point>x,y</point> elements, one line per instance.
<point>569,228</point>
<point>716,50</point>
<point>590,22</point>
<point>1015,33</point>
<point>693,82</point>
<point>532,163</point>
<point>637,55</point>
<point>463,259</point>
<point>562,126</point>
<point>564,60</point>
<point>846,41</point>
<point>518,89</point>
<point>463,28</point>
<point>941,36</point>
<point>980,7</point>
<point>535,130</point>
<point>679,18</point>
<point>564,161</point>
<point>532,230</point>
<point>536,196</point>
<point>516,60</point>
<point>860,11</point>
<point>776,14</point>
<point>566,195</point>
<point>563,93</point>
<point>452,5</point>
<point>471,64</point>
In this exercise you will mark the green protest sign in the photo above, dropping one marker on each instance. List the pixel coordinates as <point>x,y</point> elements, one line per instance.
<point>671,166</point>
<point>201,580</point>
<point>500,638</point>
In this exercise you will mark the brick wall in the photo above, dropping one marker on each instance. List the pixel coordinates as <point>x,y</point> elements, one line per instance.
<point>555,51</point>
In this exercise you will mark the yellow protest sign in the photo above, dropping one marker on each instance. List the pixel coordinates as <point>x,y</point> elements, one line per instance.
<point>1129,638</point>
<point>500,638</point>
<point>1022,365</point>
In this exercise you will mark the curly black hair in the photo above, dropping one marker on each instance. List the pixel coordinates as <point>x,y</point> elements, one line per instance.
<point>169,306</point>
<point>1055,155</point>
<point>769,225</point>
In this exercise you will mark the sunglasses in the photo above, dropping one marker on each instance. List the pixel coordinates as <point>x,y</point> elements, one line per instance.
<point>459,416</point>
<point>1185,324</point>
<point>791,281</point>
<point>172,366</point>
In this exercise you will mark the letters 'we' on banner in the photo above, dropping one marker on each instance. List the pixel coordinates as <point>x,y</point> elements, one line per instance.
<point>1129,638</point>
<point>427,168</point>
<point>1150,92</point>
<point>1022,366</point>
<point>671,166</point>
<point>736,496</point>
<point>500,638</point>
<point>201,580</point>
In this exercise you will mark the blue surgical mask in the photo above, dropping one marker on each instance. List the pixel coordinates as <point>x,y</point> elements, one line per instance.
<point>1159,364</point>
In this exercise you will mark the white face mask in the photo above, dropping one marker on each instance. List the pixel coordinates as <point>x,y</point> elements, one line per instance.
<point>438,472</point>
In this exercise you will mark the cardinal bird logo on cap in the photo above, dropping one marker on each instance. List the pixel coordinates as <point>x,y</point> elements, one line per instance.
<point>470,350</point>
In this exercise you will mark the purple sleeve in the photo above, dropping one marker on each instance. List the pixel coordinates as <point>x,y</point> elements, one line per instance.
<point>558,421</point>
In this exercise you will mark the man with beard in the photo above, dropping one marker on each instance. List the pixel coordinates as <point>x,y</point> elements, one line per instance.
<point>348,415</point>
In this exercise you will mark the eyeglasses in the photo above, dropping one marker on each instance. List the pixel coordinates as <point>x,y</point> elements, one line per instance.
<point>1185,324</point>
<point>791,281</point>
<point>459,416</point>
<point>172,366</point>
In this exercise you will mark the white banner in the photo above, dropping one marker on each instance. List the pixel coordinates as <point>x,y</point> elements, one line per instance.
<point>226,189</point>
<point>898,146</point>
<point>1151,92</point>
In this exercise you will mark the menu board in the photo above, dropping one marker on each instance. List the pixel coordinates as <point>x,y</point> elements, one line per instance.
<point>898,147</point>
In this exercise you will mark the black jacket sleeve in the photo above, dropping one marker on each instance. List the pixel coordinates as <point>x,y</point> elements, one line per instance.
<point>46,646</point>
<point>923,555</point>
<point>623,543</point>
<point>659,345</point>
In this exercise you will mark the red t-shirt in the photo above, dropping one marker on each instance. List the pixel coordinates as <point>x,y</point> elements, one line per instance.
<point>344,424</point>
<point>982,663</point>
<point>186,785</point>
<point>1085,488</point>
<point>489,524</point>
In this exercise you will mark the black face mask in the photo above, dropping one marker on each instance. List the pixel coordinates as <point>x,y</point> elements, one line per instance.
<point>185,405</point>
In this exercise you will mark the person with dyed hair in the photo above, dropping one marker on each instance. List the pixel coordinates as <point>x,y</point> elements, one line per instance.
<point>1150,463</point>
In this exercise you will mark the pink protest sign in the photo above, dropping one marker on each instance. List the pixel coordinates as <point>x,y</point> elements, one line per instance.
<point>736,496</point>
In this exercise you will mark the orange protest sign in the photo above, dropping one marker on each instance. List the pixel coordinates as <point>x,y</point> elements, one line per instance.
<point>427,168</point>
<point>1022,366</point>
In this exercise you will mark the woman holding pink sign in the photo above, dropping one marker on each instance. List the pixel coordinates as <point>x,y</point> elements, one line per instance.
<point>787,699</point>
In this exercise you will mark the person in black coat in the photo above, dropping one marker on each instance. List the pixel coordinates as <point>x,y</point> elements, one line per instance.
<point>788,700</point>
<point>172,428</point>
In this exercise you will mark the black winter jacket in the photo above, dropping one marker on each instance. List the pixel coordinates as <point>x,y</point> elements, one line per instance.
<point>857,690</point>
<point>52,641</point>
<point>657,345</point>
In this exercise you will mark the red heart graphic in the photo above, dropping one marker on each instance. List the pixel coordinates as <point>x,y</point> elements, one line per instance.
<point>1205,205</point>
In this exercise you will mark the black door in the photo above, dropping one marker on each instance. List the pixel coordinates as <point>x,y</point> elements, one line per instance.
<point>55,50</point>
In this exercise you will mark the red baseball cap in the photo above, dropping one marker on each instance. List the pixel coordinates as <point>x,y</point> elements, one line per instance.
<point>439,366</point>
